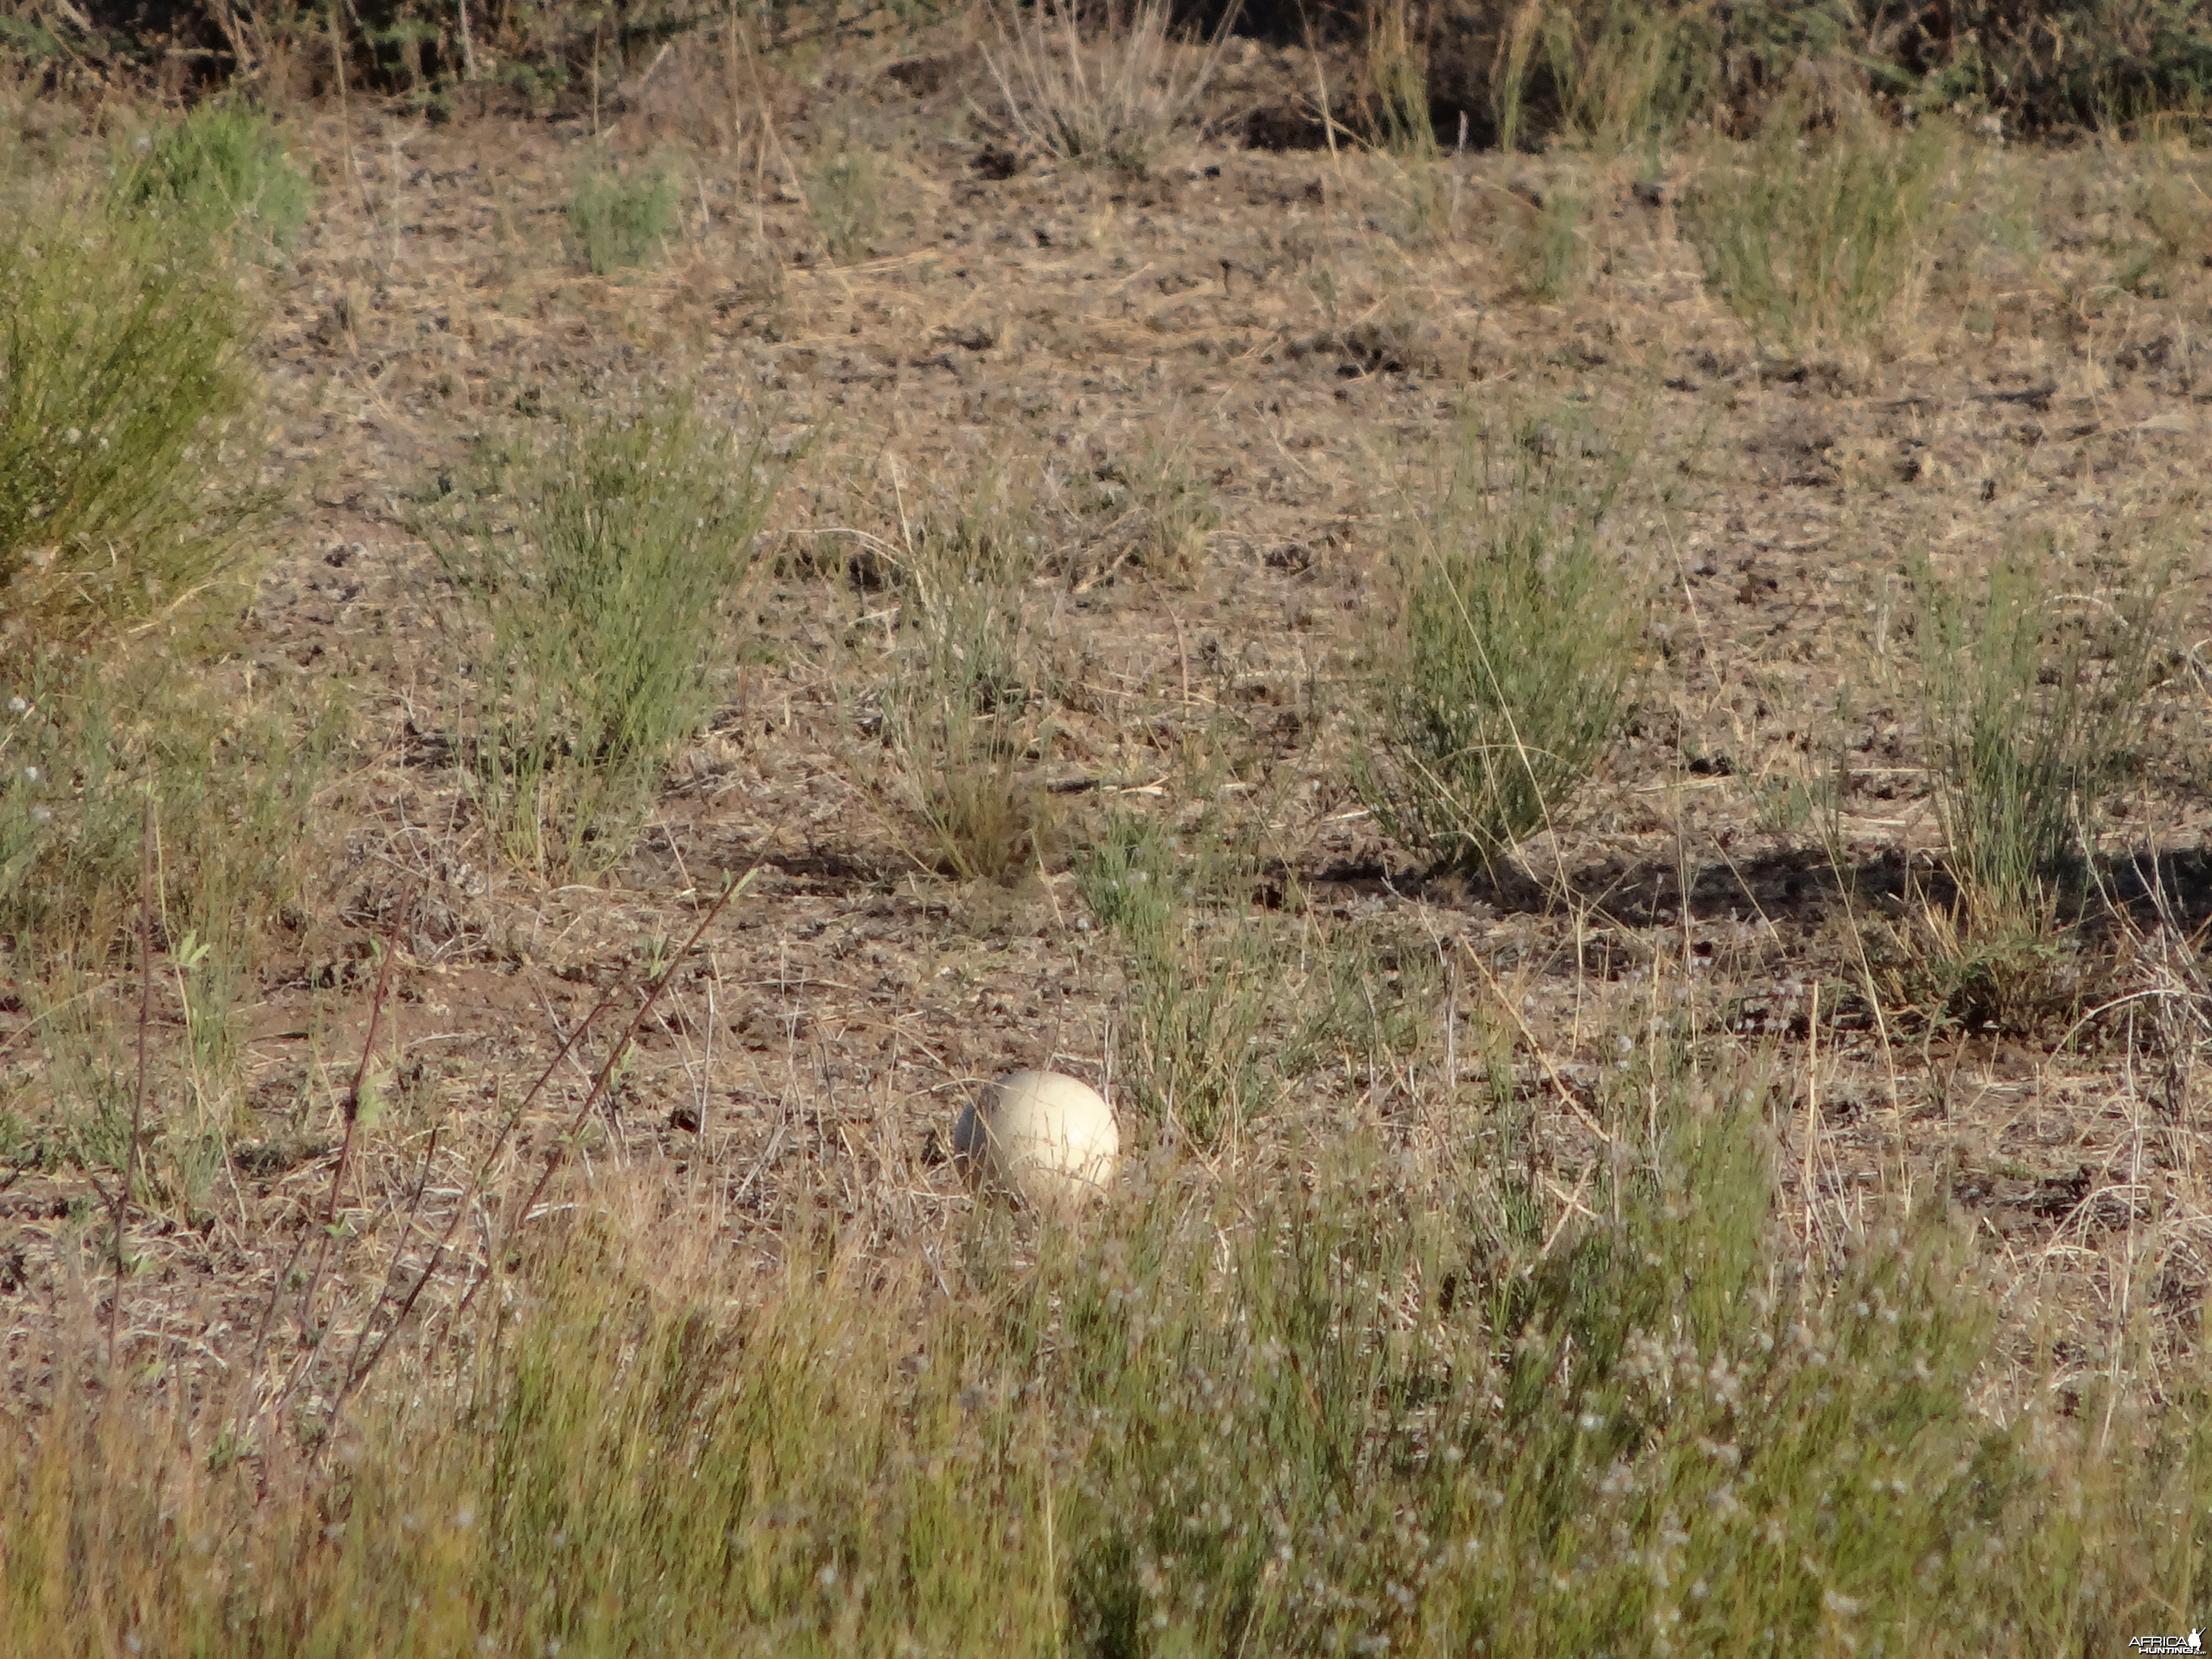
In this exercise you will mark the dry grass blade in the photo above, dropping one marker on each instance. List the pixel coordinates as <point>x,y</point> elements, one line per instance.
<point>558,1155</point>
<point>1107,88</point>
<point>133,1156</point>
<point>349,1107</point>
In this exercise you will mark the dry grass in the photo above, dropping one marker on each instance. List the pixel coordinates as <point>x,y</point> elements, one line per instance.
<point>442,1232</point>
<point>1111,90</point>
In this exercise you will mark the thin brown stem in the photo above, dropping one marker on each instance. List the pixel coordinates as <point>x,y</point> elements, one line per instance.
<point>350,1108</point>
<point>355,1368</point>
<point>121,1202</point>
<point>558,1154</point>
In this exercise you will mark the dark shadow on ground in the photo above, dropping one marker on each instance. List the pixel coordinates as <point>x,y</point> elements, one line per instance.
<point>1797,885</point>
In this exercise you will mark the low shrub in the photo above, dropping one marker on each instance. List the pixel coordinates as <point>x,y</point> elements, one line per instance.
<point>594,566</point>
<point>1328,1404</point>
<point>2032,708</point>
<point>1509,669</point>
<point>224,166</point>
<point>125,393</point>
<point>1109,87</point>
<point>1820,238</point>
<point>618,213</point>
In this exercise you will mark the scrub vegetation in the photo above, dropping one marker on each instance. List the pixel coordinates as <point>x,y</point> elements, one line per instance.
<point>1563,646</point>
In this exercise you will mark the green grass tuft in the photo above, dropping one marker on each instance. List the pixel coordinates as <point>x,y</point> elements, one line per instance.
<point>1206,978</point>
<point>619,214</point>
<point>962,709</point>
<point>594,566</point>
<point>1509,670</point>
<point>124,387</point>
<point>846,195</point>
<point>1822,237</point>
<point>224,167</point>
<point>2033,709</point>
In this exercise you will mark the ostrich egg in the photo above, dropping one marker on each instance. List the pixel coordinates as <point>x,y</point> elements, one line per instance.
<point>1048,1137</point>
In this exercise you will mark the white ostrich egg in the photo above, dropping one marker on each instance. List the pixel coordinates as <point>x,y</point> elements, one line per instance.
<point>1048,1137</point>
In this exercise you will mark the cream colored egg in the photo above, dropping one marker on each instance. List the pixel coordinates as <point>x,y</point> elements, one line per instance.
<point>1048,1137</point>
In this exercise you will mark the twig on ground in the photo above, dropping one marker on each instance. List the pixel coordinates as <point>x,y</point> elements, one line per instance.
<point>350,1108</point>
<point>557,1155</point>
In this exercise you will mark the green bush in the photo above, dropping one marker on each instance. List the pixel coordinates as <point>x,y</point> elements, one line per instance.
<point>1616,77</point>
<point>619,213</point>
<point>224,166</point>
<point>2056,63</point>
<point>2032,710</point>
<point>1819,237</point>
<point>595,568</point>
<point>1508,671</point>
<point>123,389</point>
